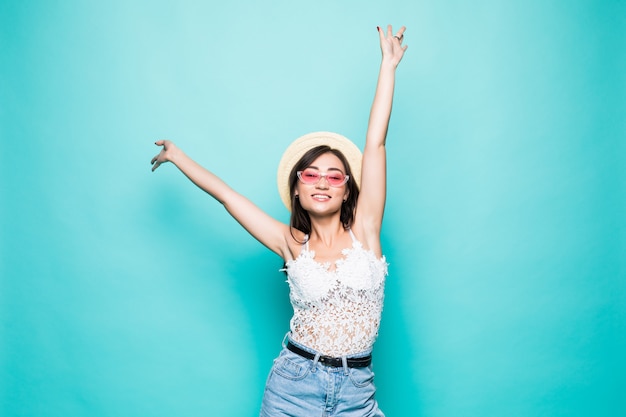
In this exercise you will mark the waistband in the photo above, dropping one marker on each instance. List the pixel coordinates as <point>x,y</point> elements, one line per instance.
<point>360,362</point>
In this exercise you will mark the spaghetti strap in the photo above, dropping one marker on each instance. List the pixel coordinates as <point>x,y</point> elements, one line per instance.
<point>352,236</point>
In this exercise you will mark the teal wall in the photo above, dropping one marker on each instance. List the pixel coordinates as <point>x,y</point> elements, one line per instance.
<point>130,293</point>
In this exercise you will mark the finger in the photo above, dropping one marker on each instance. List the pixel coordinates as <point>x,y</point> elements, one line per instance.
<point>381,34</point>
<point>389,31</point>
<point>400,34</point>
<point>155,166</point>
<point>154,159</point>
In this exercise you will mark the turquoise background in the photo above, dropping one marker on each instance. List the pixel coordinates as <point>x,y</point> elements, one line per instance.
<point>130,293</point>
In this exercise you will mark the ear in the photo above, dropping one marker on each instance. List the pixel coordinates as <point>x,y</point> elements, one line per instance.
<point>345,196</point>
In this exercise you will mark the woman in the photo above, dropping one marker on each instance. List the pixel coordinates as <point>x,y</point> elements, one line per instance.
<point>332,253</point>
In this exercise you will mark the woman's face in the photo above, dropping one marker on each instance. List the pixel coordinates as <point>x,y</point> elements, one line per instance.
<point>322,196</point>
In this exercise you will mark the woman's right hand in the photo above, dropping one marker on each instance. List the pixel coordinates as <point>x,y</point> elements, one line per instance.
<point>166,154</point>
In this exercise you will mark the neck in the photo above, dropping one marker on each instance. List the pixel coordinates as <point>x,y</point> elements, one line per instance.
<point>326,230</point>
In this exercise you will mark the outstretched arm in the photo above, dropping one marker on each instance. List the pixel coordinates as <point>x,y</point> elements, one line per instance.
<point>263,227</point>
<point>371,203</point>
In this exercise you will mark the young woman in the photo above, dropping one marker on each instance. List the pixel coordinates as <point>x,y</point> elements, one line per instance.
<point>332,253</point>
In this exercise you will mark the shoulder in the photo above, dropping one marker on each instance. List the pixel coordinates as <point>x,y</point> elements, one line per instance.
<point>368,235</point>
<point>294,240</point>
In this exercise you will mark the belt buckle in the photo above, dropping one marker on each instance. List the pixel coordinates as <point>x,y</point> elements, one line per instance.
<point>328,361</point>
<point>325,360</point>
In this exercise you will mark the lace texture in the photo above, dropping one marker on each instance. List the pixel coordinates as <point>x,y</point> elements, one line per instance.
<point>337,312</point>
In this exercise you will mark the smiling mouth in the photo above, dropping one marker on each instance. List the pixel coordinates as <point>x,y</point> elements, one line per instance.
<point>321,197</point>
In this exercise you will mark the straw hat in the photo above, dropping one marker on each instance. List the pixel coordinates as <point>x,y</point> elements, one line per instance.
<point>300,146</point>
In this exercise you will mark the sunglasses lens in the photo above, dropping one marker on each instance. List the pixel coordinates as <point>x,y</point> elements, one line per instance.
<point>309,176</point>
<point>336,179</point>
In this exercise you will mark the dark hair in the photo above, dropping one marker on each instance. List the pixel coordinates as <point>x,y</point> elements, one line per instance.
<point>300,217</point>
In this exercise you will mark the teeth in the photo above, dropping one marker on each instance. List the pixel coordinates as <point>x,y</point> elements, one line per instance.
<point>325,197</point>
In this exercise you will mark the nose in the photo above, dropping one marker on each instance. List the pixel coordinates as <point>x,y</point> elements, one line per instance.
<point>322,183</point>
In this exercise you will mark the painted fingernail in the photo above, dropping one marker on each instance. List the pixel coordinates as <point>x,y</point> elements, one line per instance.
<point>377,28</point>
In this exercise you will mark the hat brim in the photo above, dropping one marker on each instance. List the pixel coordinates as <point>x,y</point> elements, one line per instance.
<point>300,146</point>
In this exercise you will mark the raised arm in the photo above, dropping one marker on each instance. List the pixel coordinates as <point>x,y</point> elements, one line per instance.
<point>372,195</point>
<point>260,225</point>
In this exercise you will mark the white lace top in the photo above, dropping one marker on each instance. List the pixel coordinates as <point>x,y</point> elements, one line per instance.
<point>337,312</point>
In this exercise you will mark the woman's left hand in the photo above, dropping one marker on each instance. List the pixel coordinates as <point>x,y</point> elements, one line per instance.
<point>391,45</point>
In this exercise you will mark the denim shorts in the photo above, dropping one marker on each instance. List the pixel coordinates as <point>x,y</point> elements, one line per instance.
<point>298,387</point>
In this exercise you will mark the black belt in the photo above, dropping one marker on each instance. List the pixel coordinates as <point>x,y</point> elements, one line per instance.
<point>330,361</point>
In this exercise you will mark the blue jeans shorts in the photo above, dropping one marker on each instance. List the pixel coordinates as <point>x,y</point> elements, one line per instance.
<point>298,387</point>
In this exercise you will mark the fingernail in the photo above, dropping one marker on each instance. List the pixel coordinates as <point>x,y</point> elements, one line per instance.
<point>377,28</point>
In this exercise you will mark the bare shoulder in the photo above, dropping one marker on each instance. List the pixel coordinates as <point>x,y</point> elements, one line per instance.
<point>293,241</point>
<point>368,235</point>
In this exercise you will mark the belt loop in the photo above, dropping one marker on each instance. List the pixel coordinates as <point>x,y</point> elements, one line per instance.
<point>284,339</point>
<point>344,360</point>
<point>315,362</point>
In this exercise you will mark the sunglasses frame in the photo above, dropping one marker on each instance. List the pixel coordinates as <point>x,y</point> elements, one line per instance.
<point>322,175</point>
